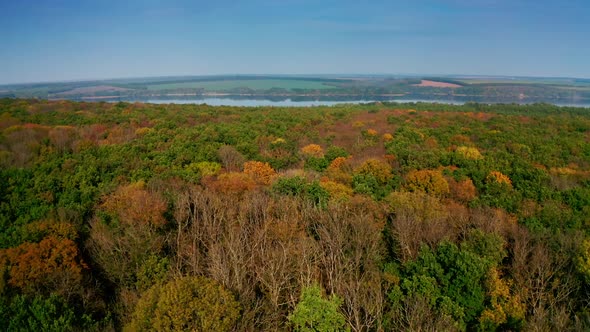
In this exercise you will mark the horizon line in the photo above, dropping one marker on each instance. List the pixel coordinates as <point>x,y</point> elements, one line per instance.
<point>306,75</point>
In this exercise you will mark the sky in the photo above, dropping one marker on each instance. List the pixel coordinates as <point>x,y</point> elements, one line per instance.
<point>62,40</point>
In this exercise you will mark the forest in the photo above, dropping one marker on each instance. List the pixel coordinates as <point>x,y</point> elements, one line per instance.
<point>372,217</point>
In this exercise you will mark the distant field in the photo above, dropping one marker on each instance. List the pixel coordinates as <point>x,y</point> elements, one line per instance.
<point>557,81</point>
<point>503,81</point>
<point>252,84</point>
<point>436,84</point>
<point>93,89</point>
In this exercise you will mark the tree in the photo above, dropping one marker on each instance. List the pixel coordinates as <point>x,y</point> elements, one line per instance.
<point>54,264</point>
<point>134,204</point>
<point>469,153</point>
<point>429,181</point>
<point>312,150</point>
<point>231,158</point>
<point>463,191</point>
<point>37,314</point>
<point>380,170</point>
<point>186,304</point>
<point>583,259</point>
<point>496,177</point>
<point>315,313</point>
<point>260,172</point>
<point>233,182</point>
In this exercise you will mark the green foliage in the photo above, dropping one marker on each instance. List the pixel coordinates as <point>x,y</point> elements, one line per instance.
<point>489,246</point>
<point>334,152</point>
<point>298,186</point>
<point>451,276</point>
<point>316,164</point>
<point>153,270</point>
<point>290,186</point>
<point>315,313</point>
<point>40,314</point>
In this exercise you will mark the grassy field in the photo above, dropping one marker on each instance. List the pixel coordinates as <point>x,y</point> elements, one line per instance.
<point>263,84</point>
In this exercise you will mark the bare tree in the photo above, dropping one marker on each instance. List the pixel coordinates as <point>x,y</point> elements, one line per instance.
<point>231,158</point>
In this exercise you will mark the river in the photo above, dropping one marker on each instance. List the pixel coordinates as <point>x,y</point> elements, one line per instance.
<point>308,102</point>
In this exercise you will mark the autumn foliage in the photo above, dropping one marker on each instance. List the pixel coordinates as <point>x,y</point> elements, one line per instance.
<point>233,182</point>
<point>147,217</point>
<point>469,153</point>
<point>312,150</point>
<point>134,204</point>
<point>376,168</point>
<point>260,172</point>
<point>462,190</point>
<point>429,181</point>
<point>33,266</point>
<point>499,178</point>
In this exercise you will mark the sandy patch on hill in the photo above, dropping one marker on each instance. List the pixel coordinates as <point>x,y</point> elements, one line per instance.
<point>435,84</point>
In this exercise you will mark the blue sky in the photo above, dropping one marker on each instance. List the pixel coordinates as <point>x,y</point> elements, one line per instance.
<point>57,40</point>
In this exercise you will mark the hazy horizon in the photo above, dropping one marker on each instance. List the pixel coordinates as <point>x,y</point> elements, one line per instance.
<point>304,75</point>
<point>45,41</point>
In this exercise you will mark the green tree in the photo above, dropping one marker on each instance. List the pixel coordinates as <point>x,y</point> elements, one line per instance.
<point>36,314</point>
<point>315,313</point>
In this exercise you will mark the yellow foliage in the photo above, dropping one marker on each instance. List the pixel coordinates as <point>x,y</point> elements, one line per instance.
<point>562,171</point>
<point>62,230</point>
<point>312,150</point>
<point>278,141</point>
<point>497,177</point>
<point>502,304</point>
<point>339,170</point>
<point>143,130</point>
<point>338,191</point>
<point>418,205</point>
<point>469,153</point>
<point>358,124</point>
<point>338,163</point>
<point>206,168</point>
<point>371,132</point>
<point>259,171</point>
<point>387,137</point>
<point>429,181</point>
<point>377,168</point>
<point>584,259</point>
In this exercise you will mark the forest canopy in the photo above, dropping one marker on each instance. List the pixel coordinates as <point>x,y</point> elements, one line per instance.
<point>369,217</point>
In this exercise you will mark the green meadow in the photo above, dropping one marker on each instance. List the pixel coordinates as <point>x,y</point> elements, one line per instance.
<point>262,84</point>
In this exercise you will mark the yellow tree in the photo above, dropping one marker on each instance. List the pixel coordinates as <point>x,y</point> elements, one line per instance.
<point>429,181</point>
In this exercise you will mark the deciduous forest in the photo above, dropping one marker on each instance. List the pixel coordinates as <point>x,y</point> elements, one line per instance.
<point>375,217</point>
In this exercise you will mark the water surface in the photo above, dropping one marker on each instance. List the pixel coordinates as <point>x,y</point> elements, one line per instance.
<point>329,101</point>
